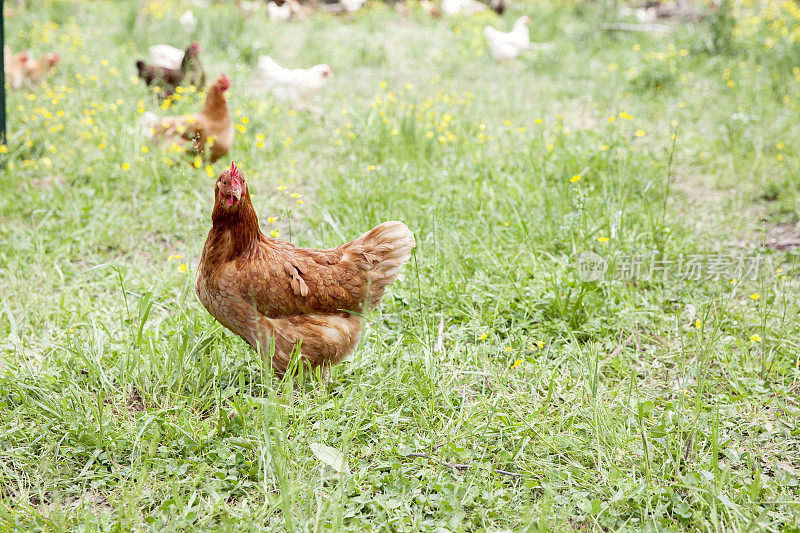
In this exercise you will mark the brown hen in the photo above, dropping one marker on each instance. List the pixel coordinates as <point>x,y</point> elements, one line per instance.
<point>211,127</point>
<point>282,299</point>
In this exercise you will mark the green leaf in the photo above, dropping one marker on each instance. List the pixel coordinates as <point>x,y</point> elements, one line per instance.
<point>330,456</point>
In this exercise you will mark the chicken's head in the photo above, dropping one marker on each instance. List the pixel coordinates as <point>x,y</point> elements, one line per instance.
<point>223,83</point>
<point>230,187</point>
<point>525,20</point>
<point>193,50</point>
<point>52,59</point>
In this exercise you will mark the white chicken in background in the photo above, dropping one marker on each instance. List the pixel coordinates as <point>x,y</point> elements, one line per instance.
<point>462,7</point>
<point>294,85</point>
<point>164,55</point>
<point>277,13</point>
<point>247,8</point>
<point>187,21</point>
<point>506,46</point>
<point>352,6</point>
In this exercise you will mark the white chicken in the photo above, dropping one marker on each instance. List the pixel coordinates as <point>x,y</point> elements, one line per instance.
<point>506,46</point>
<point>277,13</point>
<point>164,55</point>
<point>293,85</point>
<point>247,8</point>
<point>187,21</point>
<point>462,7</point>
<point>352,6</point>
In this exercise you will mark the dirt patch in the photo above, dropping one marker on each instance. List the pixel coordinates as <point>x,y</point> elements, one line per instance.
<point>134,401</point>
<point>782,236</point>
<point>48,183</point>
<point>722,218</point>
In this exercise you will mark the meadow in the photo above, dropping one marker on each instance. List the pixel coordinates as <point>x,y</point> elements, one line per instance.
<point>498,387</point>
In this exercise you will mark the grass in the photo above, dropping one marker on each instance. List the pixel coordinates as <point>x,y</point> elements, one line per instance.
<point>624,403</point>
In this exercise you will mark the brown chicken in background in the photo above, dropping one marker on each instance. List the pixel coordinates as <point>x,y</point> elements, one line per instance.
<point>190,72</point>
<point>22,70</point>
<point>36,70</point>
<point>280,298</point>
<point>211,127</point>
<point>15,65</point>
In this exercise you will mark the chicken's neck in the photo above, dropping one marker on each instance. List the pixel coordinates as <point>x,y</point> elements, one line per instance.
<point>234,232</point>
<point>215,107</point>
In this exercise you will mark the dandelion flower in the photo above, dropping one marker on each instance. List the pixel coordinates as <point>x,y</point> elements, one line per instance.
<point>602,239</point>
<point>575,179</point>
<point>755,337</point>
<point>126,166</point>
<point>640,133</point>
<point>182,268</point>
<point>274,233</point>
<point>754,296</point>
<point>516,363</point>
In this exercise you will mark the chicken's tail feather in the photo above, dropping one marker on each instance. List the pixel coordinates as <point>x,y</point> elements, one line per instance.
<point>386,248</point>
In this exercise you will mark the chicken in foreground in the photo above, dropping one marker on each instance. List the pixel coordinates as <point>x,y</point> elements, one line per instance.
<point>507,46</point>
<point>282,299</point>
<point>294,86</point>
<point>211,127</point>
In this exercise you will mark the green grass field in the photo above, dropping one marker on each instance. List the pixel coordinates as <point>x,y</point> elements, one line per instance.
<point>497,387</point>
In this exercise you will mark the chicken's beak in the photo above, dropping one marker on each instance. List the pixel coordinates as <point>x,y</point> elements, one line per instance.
<point>232,196</point>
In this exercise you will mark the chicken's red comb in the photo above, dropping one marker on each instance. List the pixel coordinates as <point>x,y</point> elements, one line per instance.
<point>236,174</point>
<point>196,46</point>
